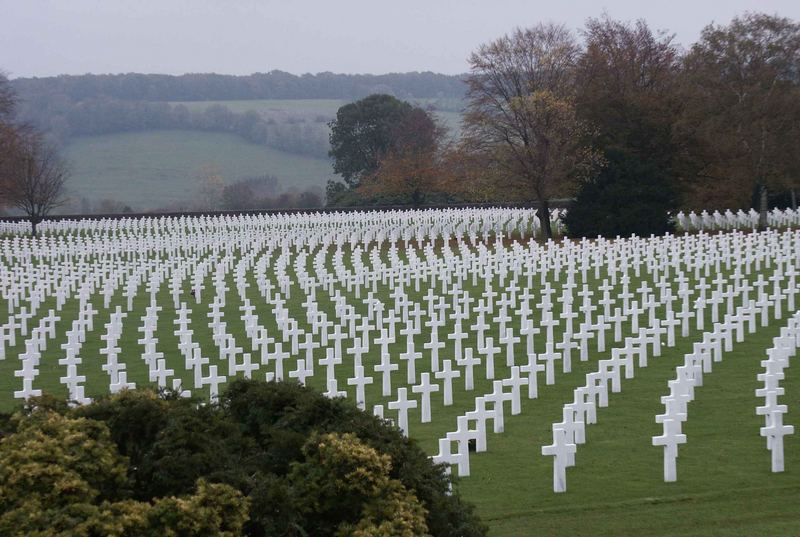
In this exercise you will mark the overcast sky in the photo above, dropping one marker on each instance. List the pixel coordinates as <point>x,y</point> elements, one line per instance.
<point>50,37</point>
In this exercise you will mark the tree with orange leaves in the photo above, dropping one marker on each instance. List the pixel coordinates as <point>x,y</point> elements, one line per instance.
<point>414,170</point>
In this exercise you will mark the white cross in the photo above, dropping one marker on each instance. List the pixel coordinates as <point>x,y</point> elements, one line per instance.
<point>515,382</point>
<point>213,381</point>
<point>489,352</point>
<point>447,374</point>
<point>498,397</point>
<point>462,435</point>
<point>670,440</point>
<point>402,405</point>
<point>775,433</point>
<point>433,346</point>
<point>532,368</point>
<point>468,362</point>
<point>385,368</point>
<point>360,381</point>
<point>549,358</point>
<point>561,451</point>
<point>411,357</point>
<point>333,389</point>
<point>426,388</point>
<point>301,373</point>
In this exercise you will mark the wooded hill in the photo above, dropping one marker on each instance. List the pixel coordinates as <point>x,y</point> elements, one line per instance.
<point>214,87</point>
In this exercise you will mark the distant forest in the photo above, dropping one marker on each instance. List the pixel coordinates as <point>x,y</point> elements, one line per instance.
<point>213,87</point>
<point>68,106</point>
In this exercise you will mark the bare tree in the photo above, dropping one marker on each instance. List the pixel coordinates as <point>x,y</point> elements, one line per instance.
<point>32,175</point>
<point>520,112</point>
<point>211,186</point>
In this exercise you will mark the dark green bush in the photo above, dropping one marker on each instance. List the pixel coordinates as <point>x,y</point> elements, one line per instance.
<point>628,197</point>
<point>252,440</point>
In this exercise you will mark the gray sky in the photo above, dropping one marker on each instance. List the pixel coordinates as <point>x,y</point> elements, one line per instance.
<point>49,37</point>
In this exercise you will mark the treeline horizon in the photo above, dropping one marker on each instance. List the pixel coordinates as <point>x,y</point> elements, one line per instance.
<point>215,87</point>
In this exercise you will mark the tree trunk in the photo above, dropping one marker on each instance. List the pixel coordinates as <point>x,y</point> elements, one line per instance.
<point>543,212</point>
<point>33,227</point>
<point>416,198</point>
<point>763,207</point>
<point>793,196</point>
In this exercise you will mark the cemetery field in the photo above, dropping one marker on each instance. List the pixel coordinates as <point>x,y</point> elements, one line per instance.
<point>438,322</point>
<point>724,487</point>
<point>154,169</point>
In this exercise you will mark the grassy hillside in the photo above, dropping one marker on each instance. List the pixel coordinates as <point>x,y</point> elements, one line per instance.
<point>158,168</point>
<point>309,106</point>
<point>282,110</point>
<point>302,107</point>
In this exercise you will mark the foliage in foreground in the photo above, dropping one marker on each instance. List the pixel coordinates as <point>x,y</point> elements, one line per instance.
<point>61,475</point>
<point>269,459</point>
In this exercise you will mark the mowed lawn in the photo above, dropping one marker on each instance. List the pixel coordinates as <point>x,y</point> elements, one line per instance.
<point>724,488</point>
<point>157,168</point>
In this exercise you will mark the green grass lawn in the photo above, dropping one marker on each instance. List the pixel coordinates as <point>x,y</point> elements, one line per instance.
<point>724,488</point>
<point>157,168</point>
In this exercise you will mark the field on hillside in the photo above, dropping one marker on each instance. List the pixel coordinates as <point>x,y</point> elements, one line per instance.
<point>267,107</point>
<point>158,168</point>
<point>281,110</point>
<point>155,169</point>
<point>311,106</point>
<point>336,299</point>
